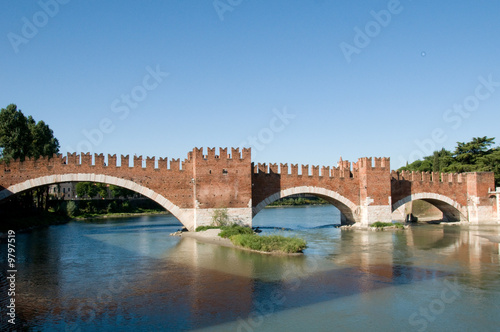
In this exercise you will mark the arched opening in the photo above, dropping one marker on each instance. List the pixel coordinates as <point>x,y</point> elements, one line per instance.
<point>347,210</point>
<point>429,208</point>
<point>96,178</point>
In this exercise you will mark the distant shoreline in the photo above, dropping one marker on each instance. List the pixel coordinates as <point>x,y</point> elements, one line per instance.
<point>121,215</point>
<point>293,206</point>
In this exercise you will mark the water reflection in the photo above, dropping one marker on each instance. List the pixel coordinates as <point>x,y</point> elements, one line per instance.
<point>134,275</point>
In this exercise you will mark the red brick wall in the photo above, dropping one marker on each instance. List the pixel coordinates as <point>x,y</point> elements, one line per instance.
<point>268,181</point>
<point>231,179</point>
<point>172,183</point>
<point>223,180</point>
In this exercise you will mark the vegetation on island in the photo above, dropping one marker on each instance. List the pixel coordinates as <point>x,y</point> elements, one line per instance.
<point>381,225</point>
<point>478,155</point>
<point>245,237</point>
<point>270,243</point>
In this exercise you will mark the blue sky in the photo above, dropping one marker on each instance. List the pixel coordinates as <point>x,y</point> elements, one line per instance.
<point>300,81</point>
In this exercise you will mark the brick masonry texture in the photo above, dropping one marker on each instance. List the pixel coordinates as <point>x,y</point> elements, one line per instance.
<point>229,179</point>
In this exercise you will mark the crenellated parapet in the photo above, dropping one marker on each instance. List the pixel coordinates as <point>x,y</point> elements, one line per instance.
<point>222,154</point>
<point>434,177</point>
<point>316,171</point>
<point>365,191</point>
<point>78,162</point>
<point>382,163</point>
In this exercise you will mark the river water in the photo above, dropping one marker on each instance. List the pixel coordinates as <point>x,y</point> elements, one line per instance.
<point>129,274</point>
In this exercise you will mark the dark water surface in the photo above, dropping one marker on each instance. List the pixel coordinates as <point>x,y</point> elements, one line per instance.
<point>129,274</point>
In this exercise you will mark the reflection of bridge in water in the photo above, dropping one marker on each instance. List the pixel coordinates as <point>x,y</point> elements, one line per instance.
<point>365,191</point>
<point>207,285</point>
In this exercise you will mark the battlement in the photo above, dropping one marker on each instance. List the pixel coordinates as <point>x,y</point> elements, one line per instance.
<point>65,162</point>
<point>435,177</point>
<point>223,154</point>
<point>378,163</point>
<point>305,170</point>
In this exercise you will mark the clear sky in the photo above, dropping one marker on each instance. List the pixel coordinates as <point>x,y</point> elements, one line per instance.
<point>299,81</point>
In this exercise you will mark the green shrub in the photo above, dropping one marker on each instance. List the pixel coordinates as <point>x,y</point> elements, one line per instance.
<point>399,225</point>
<point>220,217</point>
<point>269,243</point>
<point>228,231</point>
<point>204,228</point>
<point>381,225</point>
<point>126,206</point>
<point>71,209</point>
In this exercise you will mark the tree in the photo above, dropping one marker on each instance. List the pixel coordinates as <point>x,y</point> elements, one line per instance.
<point>22,137</point>
<point>117,191</point>
<point>91,190</point>
<point>14,134</point>
<point>491,163</point>
<point>474,156</point>
<point>469,153</point>
<point>43,141</point>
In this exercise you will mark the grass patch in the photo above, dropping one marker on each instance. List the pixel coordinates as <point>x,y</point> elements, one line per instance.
<point>228,231</point>
<point>204,228</point>
<point>245,237</point>
<point>399,225</point>
<point>269,243</point>
<point>381,225</point>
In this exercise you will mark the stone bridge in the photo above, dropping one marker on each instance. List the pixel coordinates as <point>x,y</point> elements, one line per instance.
<point>365,191</point>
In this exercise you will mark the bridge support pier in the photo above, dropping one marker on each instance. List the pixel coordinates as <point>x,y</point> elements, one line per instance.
<point>479,207</point>
<point>374,213</point>
<point>375,190</point>
<point>240,216</point>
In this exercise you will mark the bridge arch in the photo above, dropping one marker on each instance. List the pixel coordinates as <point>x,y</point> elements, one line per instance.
<point>348,209</point>
<point>451,209</point>
<point>91,177</point>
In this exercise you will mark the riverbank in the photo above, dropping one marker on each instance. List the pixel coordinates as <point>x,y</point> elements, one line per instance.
<point>29,223</point>
<point>211,236</point>
<point>46,219</point>
<point>120,215</point>
<point>293,206</point>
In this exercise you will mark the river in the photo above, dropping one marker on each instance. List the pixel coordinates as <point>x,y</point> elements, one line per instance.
<point>130,275</point>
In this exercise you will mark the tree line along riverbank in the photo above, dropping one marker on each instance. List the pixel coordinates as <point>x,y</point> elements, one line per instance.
<point>15,216</point>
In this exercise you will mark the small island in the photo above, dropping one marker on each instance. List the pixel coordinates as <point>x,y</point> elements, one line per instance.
<point>230,234</point>
<point>244,237</point>
<point>377,226</point>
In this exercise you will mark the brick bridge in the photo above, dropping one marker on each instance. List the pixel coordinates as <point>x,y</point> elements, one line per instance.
<point>365,191</point>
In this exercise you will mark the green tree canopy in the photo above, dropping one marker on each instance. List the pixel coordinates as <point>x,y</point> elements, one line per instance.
<point>474,156</point>
<point>22,137</point>
<point>91,190</point>
<point>117,191</point>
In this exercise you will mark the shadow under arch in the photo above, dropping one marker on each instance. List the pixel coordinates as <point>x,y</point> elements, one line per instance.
<point>452,210</point>
<point>91,177</point>
<point>349,210</point>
